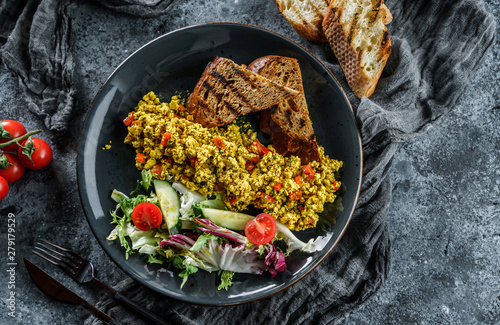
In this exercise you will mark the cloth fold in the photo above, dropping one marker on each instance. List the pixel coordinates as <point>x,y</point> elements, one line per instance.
<point>39,50</point>
<point>437,47</point>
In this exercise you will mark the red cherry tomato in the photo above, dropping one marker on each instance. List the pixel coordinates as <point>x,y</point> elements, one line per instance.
<point>4,188</point>
<point>261,230</point>
<point>15,169</point>
<point>11,129</point>
<point>146,216</point>
<point>36,154</point>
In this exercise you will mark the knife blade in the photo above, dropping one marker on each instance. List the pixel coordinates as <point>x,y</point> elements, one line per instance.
<point>58,291</point>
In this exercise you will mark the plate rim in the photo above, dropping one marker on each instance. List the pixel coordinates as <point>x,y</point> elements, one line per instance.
<point>287,285</point>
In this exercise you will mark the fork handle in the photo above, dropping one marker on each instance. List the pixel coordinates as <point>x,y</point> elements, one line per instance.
<point>129,303</point>
<point>104,286</point>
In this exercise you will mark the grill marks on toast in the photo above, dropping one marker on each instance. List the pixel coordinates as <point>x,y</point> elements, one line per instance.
<point>271,87</point>
<point>288,122</point>
<point>227,90</point>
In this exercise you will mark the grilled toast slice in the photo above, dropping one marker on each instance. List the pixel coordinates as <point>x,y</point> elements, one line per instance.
<point>305,17</point>
<point>288,122</point>
<point>227,90</point>
<point>357,33</point>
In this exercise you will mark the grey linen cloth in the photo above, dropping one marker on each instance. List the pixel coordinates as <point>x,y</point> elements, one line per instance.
<point>37,46</point>
<point>437,47</point>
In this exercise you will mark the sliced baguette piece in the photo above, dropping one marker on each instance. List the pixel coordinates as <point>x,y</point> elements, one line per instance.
<point>227,90</point>
<point>288,122</point>
<point>305,17</point>
<point>357,33</point>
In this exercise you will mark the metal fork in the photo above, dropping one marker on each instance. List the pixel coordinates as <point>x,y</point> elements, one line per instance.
<point>82,271</point>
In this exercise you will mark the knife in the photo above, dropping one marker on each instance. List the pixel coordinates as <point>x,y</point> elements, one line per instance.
<point>57,290</point>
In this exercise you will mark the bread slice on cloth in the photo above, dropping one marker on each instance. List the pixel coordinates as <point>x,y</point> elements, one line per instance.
<point>358,36</point>
<point>227,90</point>
<point>288,122</point>
<point>306,17</point>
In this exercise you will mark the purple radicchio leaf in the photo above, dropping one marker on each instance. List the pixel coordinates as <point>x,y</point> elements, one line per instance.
<point>274,260</point>
<point>179,242</point>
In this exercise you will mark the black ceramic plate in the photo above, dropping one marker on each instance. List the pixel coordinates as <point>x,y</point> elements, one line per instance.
<point>174,62</point>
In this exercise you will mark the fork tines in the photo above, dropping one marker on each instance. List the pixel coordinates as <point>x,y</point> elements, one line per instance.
<point>57,255</point>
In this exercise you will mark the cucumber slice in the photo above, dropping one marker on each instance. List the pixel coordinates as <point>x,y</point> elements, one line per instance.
<point>169,204</point>
<point>227,219</point>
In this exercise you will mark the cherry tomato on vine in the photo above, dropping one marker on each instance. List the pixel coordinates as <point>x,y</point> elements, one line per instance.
<point>35,154</point>
<point>4,188</point>
<point>261,230</point>
<point>10,167</point>
<point>146,216</point>
<point>9,130</point>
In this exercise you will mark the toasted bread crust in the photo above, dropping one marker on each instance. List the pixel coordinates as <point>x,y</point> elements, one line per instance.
<point>227,90</point>
<point>288,122</point>
<point>306,18</point>
<point>361,54</point>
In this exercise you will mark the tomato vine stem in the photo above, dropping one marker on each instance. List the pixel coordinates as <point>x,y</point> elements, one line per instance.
<point>16,140</point>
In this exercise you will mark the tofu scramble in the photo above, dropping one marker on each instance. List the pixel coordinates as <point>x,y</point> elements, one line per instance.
<point>229,160</point>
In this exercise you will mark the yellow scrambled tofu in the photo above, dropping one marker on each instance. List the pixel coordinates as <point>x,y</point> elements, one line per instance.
<point>229,160</point>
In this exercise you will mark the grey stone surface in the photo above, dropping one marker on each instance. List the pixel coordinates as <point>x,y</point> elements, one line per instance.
<point>444,218</point>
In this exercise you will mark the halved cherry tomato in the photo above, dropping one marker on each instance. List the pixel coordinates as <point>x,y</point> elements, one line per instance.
<point>277,186</point>
<point>4,187</point>
<point>9,130</point>
<point>35,153</point>
<point>146,215</point>
<point>261,230</point>
<point>336,185</point>
<point>13,170</point>
<point>298,179</point>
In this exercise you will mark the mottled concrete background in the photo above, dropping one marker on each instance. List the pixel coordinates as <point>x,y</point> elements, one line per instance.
<point>444,220</point>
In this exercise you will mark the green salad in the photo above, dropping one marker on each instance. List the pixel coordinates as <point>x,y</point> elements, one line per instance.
<point>164,222</point>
